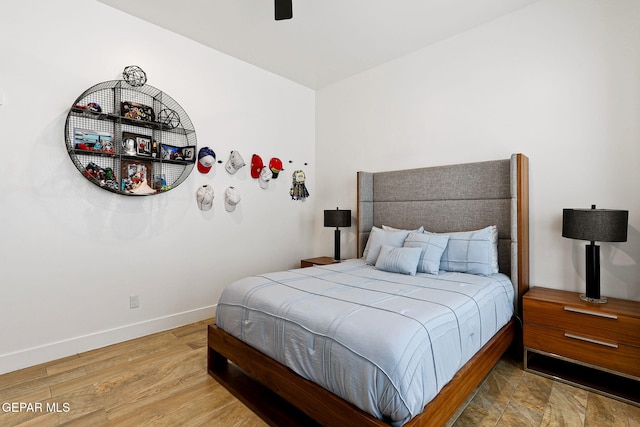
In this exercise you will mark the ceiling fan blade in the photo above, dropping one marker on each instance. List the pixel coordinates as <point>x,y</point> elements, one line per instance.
<point>284,9</point>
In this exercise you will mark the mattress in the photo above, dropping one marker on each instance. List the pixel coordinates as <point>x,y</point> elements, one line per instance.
<point>385,342</point>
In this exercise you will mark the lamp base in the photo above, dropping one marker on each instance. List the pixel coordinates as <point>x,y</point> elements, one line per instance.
<point>589,299</point>
<point>336,251</point>
<point>592,294</point>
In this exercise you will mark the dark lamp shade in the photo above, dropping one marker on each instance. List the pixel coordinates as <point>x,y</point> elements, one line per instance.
<point>595,225</point>
<point>337,218</point>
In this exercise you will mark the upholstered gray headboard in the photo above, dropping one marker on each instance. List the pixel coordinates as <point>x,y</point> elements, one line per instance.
<point>454,198</point>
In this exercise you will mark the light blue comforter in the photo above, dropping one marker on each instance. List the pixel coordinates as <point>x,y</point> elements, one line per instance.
<point>385,342</point>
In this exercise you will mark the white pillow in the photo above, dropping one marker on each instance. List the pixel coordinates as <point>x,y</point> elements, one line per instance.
<point>433,246</point>
<point>398,260</point>
<point>379,237</point>
<point>474,252</point>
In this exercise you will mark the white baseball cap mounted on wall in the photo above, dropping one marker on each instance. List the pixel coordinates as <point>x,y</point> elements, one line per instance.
<point>204,197</point>
<point>265,177</point>
<point>231,198</point>
<point>234,163</point>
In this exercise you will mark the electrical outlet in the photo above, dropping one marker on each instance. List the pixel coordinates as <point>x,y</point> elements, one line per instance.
<point>134,301</point>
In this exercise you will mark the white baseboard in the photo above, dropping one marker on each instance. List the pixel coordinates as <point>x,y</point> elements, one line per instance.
<point>45,353</point>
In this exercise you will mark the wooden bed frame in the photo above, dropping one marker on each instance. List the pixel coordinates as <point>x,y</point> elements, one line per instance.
<point>283,398</point>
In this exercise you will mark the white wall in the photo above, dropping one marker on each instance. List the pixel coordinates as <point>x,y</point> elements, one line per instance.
<point>71,254</point>
<point>558,81</point>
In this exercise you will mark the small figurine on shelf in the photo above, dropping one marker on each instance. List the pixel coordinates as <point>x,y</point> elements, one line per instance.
<point>93,171</point>
<point>108,147</point>
<point>95,107</point>
<point>129,146</point>
<point>110,179</point>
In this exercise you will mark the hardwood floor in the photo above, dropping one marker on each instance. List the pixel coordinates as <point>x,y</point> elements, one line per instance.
<point>162,380</point>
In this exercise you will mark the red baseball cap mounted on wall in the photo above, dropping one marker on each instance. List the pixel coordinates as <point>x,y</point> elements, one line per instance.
<point>256,166</point>
<point>275,164</point>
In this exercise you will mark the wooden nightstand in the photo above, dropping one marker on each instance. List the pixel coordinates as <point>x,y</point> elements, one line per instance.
<point>591,345</point>
<point>321,260</point>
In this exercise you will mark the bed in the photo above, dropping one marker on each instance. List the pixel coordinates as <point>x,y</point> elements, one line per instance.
<point>270,308</point>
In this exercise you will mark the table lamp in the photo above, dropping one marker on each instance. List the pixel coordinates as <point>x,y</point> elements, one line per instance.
<point>602,225</point>
<point>337,218</point>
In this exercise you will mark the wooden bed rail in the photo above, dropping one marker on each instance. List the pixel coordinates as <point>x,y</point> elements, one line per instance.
<point>323,406</point>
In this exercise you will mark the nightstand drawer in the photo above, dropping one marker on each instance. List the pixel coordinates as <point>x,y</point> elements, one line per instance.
<point>576,318</point>
<point>603,352</point>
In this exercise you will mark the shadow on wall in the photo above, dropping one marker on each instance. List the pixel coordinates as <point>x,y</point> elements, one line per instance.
<point>82,209</point>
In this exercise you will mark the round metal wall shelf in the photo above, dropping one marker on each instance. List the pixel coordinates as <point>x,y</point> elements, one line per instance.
<point>131,140</point>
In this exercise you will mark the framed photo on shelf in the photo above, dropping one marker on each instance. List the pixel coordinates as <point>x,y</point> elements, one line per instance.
<point>92,140</point>
<point>136,177</point>
<point>135,111</point>
<point>169,152</point>
<point>137,144</point>
<point>189,153</point>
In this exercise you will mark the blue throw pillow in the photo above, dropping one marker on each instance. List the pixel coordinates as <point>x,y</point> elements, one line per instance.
<point>379,237</point>
<point>433,246</point>
<point>474,252</point>
<point>398,260</point>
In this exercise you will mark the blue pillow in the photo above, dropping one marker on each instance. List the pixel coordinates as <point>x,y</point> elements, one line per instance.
<point>379,237</point>
<point>398,260</point>
<point>474,252</point>
<point>433,246</point>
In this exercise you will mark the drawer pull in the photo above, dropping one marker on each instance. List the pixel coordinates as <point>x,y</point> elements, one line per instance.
<point>578,337</point>
<point>591,313</point>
